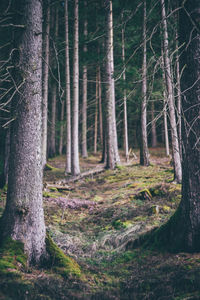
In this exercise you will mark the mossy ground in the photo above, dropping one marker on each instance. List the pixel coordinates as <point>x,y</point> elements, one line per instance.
<point>123,205</point>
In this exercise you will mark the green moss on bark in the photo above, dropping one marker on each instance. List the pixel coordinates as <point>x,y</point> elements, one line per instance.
<point>59,262</point>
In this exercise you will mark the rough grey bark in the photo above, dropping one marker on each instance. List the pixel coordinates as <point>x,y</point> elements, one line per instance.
<point>45,67</point>
<point>111,131</point>
<point>144,152</point>
<point>75,114</point>
<point>23,218</point>
<point>125,100</point>
<point>67,94</point>
<point>170,95</point>
<point>84,103</point>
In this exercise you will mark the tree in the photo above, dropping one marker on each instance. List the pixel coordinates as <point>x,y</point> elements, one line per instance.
<point>23,218</point>
<point>45,80</point>
<point>75,115</point>
<point>111,133</point>
<point>170,95</point>
<point>67,93</point>
<point>144,153</point>
<point>84,104</point>
<point>181,232</point>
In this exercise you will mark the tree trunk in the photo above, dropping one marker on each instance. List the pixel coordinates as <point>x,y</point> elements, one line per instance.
<point>23,218</point>
<point>61,128</point>
<point>170,94</point>
<point>153,127</point>
<point>111,134</point>
<point>100,107</point>
<point>45,68</point>
<point>75,116</point>
<point>178,95</point>
<point>125,100</point>
<point>67,94</point>
<point>144,153</point>
<point>96,116</point>
<point>190,86</point>
<point>165,106</point>
<point>52,131</point>
<point>84,104</point>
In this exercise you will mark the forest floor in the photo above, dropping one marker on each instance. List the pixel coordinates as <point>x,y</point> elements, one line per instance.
<point>95,220</point>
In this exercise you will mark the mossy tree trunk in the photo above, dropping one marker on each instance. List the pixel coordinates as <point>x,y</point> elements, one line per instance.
<point>23,218</point>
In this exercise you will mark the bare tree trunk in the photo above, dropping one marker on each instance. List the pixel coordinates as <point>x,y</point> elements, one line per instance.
<point>174,134</point>
<point>45,82</point>
<point>61,127</point>
<point>96,117</point>
<point>75,115</point>
<point>52,132</point>
<point>125,100</point>
<point>165,106</point>
<point>67,94</point>
<point>144,153</point>
<point>84,104</point>
<point>153,126</point>
<point>100,107</point>
<point>111,134</point>
<point>178,95</point>
<point>23,218</point>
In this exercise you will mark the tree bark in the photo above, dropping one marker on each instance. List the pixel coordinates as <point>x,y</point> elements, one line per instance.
<point>45,81</point>
<point>100,107</point>
<point>144,152</point>
<point>84,104</point>
<point>75,115</point>
<point>67,94</point>
<point>23,218</point>
<point>153,126</point>
<point>125,100</point>
<point>170,94</point>
<point>96,116</point>
<point>111,134</point>
<point>61,128</point>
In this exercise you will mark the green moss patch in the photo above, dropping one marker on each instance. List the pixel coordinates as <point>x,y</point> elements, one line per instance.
<point>61,263</point>
<point>12,257</point>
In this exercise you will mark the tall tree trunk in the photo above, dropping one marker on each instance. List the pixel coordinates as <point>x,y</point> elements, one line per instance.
<point>100,107</point>
<point>153,126</point>
<point>125,100</point>
<point>165,106</point>
<point>111,135</point>
<point>23,218</point>
<point>144,152</point>
<point>67,94</point>
<point>52,131</point>
<point>178,95</point>
<point>61,127</point>
<point>84,104</point>
<point>96,116</point>
<point>181,233</point>
<point>75,115</point>
<point>45,67</point>
<point>170,94</point>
